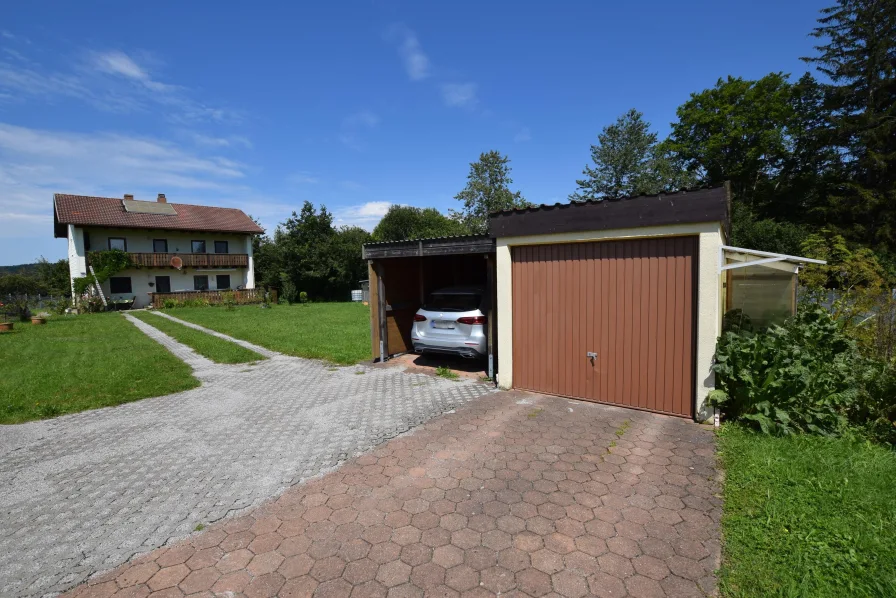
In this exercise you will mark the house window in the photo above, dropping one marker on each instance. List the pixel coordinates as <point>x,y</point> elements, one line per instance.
<point>198,246</point>
<point>223,281</point>
<point>160,245</point>
<point>119,285</point>
<point>163,284</point>
<point>200,283</point>
<point>221,247</point>
<point>118,243</point>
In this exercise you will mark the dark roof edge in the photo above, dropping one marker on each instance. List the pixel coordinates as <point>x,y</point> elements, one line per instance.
<point>703,204</point>
<point>448,238</point>
<point>548,206</point>
<point>455,245</point>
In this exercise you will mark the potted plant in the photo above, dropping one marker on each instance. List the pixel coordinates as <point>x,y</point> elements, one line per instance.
<point>39,319</point>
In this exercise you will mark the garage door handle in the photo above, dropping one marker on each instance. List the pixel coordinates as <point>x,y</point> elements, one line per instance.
<point>591,355</point>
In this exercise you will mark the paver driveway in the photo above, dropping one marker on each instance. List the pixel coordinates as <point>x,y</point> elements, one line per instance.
<point>513,494</point>
<point>85,492</point>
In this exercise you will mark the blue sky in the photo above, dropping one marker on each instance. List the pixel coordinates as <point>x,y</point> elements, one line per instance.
<point>351,105</point>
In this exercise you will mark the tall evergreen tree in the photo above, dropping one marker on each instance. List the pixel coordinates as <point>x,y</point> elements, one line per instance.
<point>487,190</point>
<point>859,57</point>
<point>812,166</point>
<point>627,161</point>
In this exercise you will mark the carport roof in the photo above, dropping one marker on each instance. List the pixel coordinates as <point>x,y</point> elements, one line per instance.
<point>678,207</point>
<point>457,245</point>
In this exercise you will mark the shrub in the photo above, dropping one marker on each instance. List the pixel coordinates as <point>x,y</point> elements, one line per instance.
<point>855,288</point>
<point>799,377</point>
<point>18,309</point>
<point>303,298</point>
<point>92,304</point>
<point>874,412</point>
<point>805,376</point>
<point>228,300</point>
<point>288,289</point>
<point>59,306</point>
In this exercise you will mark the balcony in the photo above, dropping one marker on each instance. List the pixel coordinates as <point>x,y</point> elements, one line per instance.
<point>190,260</point>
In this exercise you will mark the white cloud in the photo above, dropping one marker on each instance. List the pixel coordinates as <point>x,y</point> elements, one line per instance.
<point>353,127</point>
<point>366,215</point>
<point>110,81</point>
<point>523,135</point>
<point>25,81</point>
<point>303,177</point>
<point>36,163</point>
<point>351,185</point>
<point>9,35</point>
<point>416,62</point>
<point>119,63</point>
<point>462,95</point>
<point>231,141</point>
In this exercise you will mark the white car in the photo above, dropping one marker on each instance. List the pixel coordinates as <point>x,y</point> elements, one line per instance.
<point>452,321</point>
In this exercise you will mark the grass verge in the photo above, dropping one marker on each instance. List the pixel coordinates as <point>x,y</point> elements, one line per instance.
<point>807,516</point>
<point>212,347</point>
<point>82,362</point>
<point>335,332</point>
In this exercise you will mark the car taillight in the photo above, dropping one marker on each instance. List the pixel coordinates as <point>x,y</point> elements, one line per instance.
<point>419,318</point>
<point>472,320</point>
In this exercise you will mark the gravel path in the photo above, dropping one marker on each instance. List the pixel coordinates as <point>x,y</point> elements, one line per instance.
<point>84,493</point>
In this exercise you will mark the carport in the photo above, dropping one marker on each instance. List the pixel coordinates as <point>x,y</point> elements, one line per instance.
<point>403,273</point>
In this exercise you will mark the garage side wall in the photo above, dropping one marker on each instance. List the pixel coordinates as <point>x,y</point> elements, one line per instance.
<point>709,295</point>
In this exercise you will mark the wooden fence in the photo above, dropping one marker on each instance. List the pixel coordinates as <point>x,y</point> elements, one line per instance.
<point>241,297</point>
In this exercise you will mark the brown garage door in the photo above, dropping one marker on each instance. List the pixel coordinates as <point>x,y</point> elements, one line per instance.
<point>631,302</point>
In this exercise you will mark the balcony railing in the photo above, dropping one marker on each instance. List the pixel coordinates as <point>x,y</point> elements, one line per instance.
<point>190,260</point>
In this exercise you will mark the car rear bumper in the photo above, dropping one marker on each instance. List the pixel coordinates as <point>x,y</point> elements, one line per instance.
<point>464,351</point>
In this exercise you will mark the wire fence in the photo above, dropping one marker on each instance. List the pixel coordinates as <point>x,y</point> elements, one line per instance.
<point>34,301</point>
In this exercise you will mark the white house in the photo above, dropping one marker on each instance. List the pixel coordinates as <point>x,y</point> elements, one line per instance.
<point>174,247</point>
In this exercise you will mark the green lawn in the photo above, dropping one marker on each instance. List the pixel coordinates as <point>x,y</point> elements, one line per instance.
<point>336,332</point>
<point>82,362</point>
<point>212,347</point>
<point>807,516</point>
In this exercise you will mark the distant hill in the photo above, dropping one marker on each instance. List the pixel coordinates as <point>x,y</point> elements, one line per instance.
<point>20,269</point>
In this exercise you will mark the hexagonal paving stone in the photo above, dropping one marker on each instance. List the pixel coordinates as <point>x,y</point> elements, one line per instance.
<point>393,573</point>
<point>539,508</point>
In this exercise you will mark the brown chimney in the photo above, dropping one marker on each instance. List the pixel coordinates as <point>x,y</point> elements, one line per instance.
<point>161,198</point>
<point>128,197</point>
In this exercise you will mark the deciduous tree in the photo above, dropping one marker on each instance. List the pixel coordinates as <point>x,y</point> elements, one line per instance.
<point>735,131</point>
<point>408,222</point>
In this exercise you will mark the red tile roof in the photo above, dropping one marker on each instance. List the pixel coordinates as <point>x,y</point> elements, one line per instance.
<point>109,211</point>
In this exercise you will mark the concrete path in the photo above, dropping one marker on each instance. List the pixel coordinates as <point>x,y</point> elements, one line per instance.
<point>86,492</point>
<point>513,495</point>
